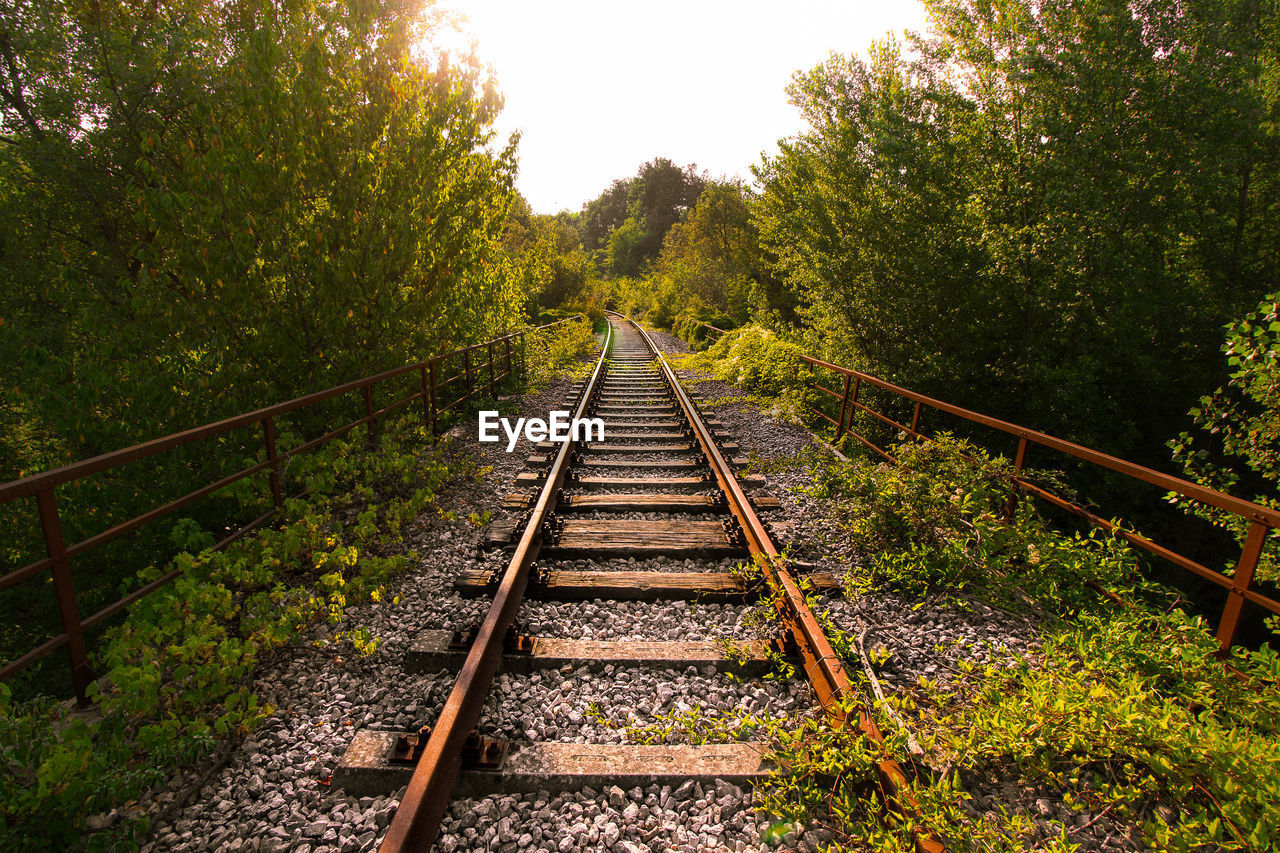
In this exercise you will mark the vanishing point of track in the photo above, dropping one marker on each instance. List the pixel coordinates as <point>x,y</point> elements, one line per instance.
<point>699,508</point>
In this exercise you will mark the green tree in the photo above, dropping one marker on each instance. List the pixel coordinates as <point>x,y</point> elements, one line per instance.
<point>211,206</point>
<point>548,254</point>
<point>1047,214</point>
<point>625,226</point>
<point>714,254</point>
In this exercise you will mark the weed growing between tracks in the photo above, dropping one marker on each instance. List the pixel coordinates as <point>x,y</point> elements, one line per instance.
<point>1124,717</point>
<point>177,670</point>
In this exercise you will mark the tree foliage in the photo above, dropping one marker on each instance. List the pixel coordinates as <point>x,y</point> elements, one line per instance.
<point>713,255</point>
<point>546,254</point>
<point>1237,443</point>
<point>209,206</point>
<point>1046,213</point>
<point>627,223</point>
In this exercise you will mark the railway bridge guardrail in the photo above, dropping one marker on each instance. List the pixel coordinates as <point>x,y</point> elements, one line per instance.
<point>1262,520</point>
<point>441,392</point>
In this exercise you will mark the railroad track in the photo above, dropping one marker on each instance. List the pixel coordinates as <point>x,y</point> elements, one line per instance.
<point>662,482</point>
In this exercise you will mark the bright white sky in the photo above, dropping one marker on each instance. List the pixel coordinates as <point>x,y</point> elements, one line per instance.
<point>598,87</point>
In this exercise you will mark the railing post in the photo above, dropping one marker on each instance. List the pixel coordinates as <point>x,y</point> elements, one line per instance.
<point>56,547</point>
<point>506,343</point>
<point>269,438</point>
<point>1240,581</point>
<point>368,411</point>
<point>844,406</point>
<point>1019,461</point>
<point>492,381</point>
<point>466,366</point>
<point>426,397</point>
<point>853,402</point>
<point>431,390</point>
<point>915,422</point>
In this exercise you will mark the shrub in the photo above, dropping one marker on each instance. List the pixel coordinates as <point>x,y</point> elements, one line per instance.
<point>177,672</point>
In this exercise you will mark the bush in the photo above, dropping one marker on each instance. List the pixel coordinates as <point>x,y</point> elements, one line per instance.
<point>940,521</point>
<point>756,360</point>
<point>1124,710</point>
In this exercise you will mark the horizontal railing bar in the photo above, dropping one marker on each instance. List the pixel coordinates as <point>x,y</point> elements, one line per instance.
<point>1261,600</point>
<point>473,347</point>
<point>888,420</point>
<point>46,648</point>
<point>111,609</point>
<point>36,482</point>
<point>417,395</point>
<point>151,515</point>
<point>446,383</point>
<point>817,386</point>
<point>1129,536</point>
<point>460,401</point>
<point>1132,538</point>
<point>30,570</point>
<point>316,442</point>
<point>1186,488</point>
<point>873,446</point>
<point>825,416</point>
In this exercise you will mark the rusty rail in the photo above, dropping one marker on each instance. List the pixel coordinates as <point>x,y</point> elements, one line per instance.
<point>821,664</point>
<point>417,819</point>
<point>1262,520</point>
<point>59,553</point>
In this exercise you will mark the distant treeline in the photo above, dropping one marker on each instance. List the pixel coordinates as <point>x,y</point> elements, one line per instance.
<point>1046,211</point>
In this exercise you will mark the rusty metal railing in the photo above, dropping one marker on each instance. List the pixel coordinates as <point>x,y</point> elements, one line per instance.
<point>453,376</point>
<point>1262,520</point>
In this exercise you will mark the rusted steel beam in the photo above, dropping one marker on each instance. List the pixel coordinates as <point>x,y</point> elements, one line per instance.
<point>417,820</point>
<point>370,418</point>
<point>1186,488</point>
<point>844,408</point>
<point>1240,580</point>
<point>269,439</point>
<point>64,589</point>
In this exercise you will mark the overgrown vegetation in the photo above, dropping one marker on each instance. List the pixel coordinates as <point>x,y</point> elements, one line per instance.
<point>200,218</point>
<point>1237,445</point>
<point>564,349</point>
<point>1124,711</point>
<point>178,674</point>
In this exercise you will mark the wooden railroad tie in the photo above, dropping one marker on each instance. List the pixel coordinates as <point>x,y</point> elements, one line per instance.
<point>366,769</point>
<point>680,537</point>
<point>437,649</point>
<point>528,478</point>
<point>563,585</point>
<point>637,502</point>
